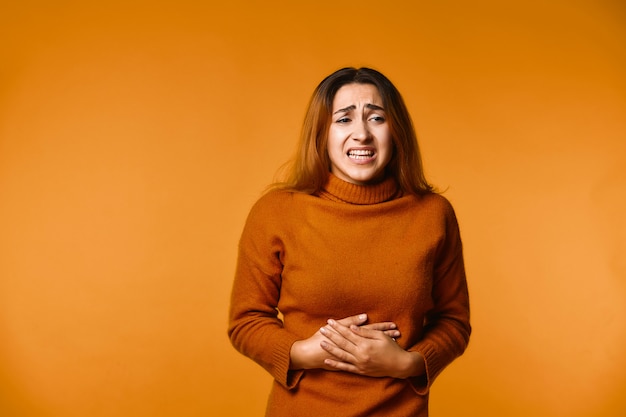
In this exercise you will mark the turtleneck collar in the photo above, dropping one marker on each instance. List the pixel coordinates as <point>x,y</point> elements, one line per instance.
<point>339,190</point>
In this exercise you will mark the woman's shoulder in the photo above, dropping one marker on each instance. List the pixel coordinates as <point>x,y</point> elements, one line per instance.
<point>273,204</point>
<point>433,201</point>
<point>433,206</point>
<point>273,198</point>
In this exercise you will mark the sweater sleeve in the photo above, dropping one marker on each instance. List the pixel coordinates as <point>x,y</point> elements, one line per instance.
<point>255,328</point>
<point>447,325</point>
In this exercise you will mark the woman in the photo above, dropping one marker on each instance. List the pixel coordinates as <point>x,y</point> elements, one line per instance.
<point>350,287</point>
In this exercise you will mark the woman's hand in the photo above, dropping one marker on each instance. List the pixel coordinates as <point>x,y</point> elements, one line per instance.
<point>309,354</point>
<point>368,351</point>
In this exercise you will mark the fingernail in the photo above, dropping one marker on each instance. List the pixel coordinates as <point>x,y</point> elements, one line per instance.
<point>322,330</point>
<point>362,316</point>
<point>331,322</point>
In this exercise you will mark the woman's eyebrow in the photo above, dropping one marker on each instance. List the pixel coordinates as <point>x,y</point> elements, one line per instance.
<point>346,109</point>
<point>374,107</point>
<point>353,107</point>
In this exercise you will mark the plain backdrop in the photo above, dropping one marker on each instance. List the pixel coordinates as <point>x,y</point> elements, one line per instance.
<point>135,136</point>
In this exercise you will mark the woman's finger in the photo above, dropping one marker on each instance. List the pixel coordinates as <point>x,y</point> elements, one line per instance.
<point>389,328</point>
<point>337,352</point>
<point>341,366</point>
<point>384,325</point>
<point>369,333</point>
<point>357,320</point>
<point>340,335</point>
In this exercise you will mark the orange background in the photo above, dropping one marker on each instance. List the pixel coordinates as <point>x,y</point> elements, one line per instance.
<point>134,137</point>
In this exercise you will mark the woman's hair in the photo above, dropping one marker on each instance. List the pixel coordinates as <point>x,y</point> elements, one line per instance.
<point>309,169</point>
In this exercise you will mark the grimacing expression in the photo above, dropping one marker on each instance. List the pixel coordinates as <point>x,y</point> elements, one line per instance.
<point>359,138</point>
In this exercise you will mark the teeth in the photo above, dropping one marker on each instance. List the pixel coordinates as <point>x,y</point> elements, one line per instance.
<point>360,153</point>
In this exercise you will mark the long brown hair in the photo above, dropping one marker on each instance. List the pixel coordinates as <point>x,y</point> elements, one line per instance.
<point>309,169</point>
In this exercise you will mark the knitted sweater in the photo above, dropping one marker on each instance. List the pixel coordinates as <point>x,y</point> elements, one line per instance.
<point>351,249</point>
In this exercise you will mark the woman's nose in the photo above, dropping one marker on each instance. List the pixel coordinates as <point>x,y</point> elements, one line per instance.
<point>361,131</point>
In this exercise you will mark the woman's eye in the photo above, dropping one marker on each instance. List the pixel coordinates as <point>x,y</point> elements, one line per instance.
<point>379,119</point>
<point>343,120</point>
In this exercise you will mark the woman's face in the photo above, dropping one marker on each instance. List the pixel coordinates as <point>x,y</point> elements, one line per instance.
<point>359,141</point>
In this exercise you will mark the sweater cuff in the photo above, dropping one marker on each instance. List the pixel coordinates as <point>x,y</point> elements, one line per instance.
<point>421,384</point>
<point>282,358</point>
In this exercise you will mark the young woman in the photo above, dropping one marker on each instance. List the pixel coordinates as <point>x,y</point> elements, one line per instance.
<point>350,287</point>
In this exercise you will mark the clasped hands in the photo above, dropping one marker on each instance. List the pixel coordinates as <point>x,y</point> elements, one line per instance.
<point>351,345</point>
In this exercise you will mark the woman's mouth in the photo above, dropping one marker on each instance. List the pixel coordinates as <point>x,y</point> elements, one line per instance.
<point>361,154</point>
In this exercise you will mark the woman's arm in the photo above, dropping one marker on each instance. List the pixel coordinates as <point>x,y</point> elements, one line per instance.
<point>447,325</point>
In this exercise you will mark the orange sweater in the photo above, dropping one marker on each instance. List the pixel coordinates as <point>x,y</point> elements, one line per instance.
<point>351,249</point>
